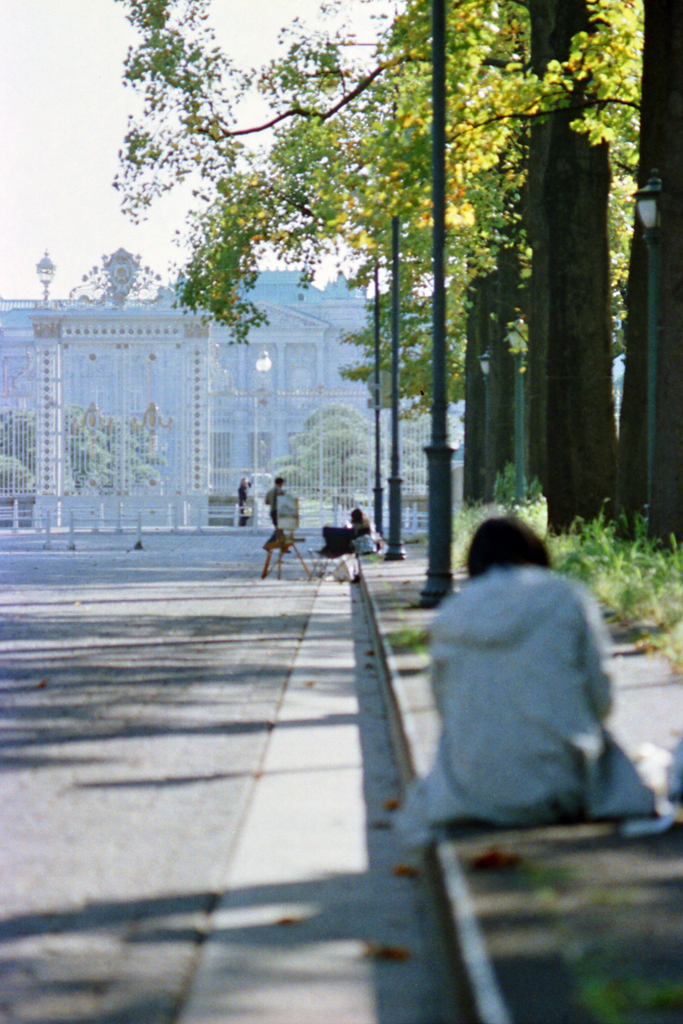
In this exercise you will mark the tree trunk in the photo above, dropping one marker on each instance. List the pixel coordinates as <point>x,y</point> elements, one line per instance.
<point>489,439</point>
<point>666,513</point>
<point>536,225</point>
<point>580,428</point>
<point>539,310</point>
<point>632,457</point>
<point>507,308</point>
<point>478,326</point>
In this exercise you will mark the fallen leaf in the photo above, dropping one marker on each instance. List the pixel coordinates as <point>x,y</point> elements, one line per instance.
<point>495,858</point>
<point>288,920</point>
<point>404,871</point>
<point>43,682</point>
<point>382,952</point>
<point>310,682</point>
<point>392,804</point>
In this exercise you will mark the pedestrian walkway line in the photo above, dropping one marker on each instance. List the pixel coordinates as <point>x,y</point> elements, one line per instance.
<point>283,946</point>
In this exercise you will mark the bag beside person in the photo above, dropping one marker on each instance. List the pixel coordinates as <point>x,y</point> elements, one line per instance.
<point>364,545</point>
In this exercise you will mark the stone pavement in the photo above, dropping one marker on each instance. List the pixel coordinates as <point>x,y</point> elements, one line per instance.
<point>195,794</point>
<point>571,924</point>
<point>196,785</point>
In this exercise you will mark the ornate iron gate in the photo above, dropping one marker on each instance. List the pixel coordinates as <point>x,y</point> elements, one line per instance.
<point>122,400</point>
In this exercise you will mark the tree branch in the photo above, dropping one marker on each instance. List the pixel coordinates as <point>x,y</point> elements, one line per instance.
<point>527,116</point>
<point>324,115</point>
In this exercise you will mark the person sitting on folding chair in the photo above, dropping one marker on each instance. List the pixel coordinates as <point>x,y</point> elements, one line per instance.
<point>339,540</point>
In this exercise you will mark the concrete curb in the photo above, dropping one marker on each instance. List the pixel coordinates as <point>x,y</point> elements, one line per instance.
<point>472,993</point>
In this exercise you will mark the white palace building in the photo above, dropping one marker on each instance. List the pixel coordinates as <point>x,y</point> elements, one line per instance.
<point>115,403</point>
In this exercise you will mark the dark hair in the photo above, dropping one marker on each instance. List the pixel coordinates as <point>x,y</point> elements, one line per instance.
<point>279,480</point>
<point>505,541</point>
<point>357,516</point>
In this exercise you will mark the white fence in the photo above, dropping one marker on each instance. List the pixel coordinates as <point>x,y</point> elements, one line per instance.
<point>321,444</point>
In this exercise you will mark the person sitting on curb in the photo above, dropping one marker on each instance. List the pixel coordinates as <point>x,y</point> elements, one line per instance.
<point>522,694</point>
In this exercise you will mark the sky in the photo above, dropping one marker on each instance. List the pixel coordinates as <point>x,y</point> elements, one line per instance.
<point>63,115</point>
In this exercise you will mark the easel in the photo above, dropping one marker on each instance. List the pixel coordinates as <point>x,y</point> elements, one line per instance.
<point>282,543</point>
<point>284,539</point>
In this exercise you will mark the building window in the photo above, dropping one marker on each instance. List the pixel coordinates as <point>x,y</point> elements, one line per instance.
<point>220,462</point>
<point>301,367</point>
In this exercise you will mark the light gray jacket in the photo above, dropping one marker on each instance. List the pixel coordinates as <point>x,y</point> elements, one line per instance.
<point>519,683</point>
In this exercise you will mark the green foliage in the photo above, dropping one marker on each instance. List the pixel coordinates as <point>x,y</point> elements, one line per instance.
<point>506,484</point>
<point>470,518</point>
<point>409,638</point>
<point>349,147</point>
<point>95,453</point>
<point>618,1000</point>
<point>638,580</point>
<point>14,469</point>
<point>415,375</point>
<point>18,450</point>
<point>330,455</point>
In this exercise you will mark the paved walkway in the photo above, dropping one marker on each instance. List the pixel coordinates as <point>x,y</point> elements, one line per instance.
<point>315,925</point>
<point>196,788</point>
<point>571,924</point>
<point>195,779</point>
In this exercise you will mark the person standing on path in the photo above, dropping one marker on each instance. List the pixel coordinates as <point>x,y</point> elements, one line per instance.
<point>272,495</point>
<point>242,500</point>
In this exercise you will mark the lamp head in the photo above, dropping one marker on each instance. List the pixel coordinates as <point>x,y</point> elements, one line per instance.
<point>45,271</point>
<point>647,202</point>
<point>485,362</point>
<point>263,363</point>
<point>516,336</point>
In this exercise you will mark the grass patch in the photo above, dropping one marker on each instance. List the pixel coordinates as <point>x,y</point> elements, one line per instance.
<point>615,1000</point>
<point>638,581</point>
<point>409,639</point>
<point>467,521</point>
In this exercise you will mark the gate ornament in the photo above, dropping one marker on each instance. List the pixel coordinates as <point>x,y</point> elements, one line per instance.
<point>94,420</point>
<point>119,280</point>
<point>151,419</point>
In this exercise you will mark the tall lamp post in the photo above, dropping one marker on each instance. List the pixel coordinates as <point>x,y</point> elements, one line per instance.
<point>517,343</point>
<point>647,205</point>
<point>439,581</point>
<point>263,365</point>
<point>485,364</point>
<point>395,550</point>
<point>378,409</point>
<point>45,271</point>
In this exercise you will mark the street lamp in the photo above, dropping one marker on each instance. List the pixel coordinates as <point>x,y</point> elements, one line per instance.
<point>439,580</point>
<point>378,409</point>
<point>647,206</point>
<point>46,271</point>
<point>517,343</point>
<point>263,365</point>
<point>485,364</point>
<point>395,551</point>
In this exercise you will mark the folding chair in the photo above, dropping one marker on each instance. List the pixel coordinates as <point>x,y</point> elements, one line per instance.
<point>340,545</point>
